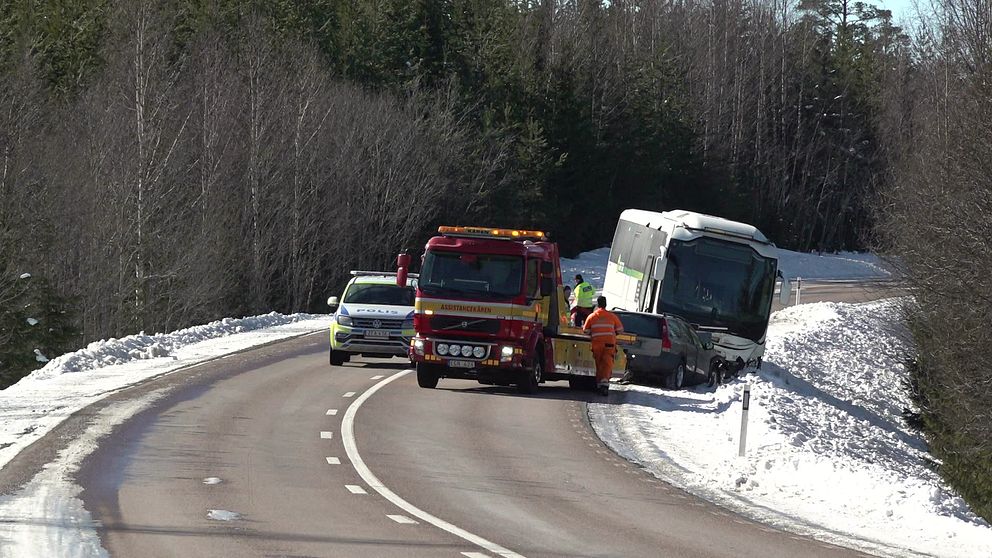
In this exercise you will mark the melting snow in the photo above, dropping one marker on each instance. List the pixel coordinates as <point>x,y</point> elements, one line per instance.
<point>32,321</point>
<point>211,480</point>
<point>223,515</point>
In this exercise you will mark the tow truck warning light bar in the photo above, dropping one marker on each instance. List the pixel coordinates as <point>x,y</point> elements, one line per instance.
<point>484,232</point>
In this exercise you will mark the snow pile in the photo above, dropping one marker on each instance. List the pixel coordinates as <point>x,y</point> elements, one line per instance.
<point>840,266</point>
<point>36,404</point>
<point>112,352</point>
<point>828,453</point>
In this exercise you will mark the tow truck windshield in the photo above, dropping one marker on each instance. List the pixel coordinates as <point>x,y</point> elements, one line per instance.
<point>472,275</point>
<point>719,284</point>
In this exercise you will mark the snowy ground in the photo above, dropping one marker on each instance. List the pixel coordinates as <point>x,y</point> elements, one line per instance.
<point>828,453</point>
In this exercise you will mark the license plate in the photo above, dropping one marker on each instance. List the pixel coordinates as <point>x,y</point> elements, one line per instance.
<point>376,334</point>
<point>461,364</point>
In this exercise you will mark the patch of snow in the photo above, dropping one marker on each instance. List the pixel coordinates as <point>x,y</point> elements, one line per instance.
<point>32,321</point>
<point>25,276</point>
<point>211,480</point>
<point>223,515</point>
<point>40,357</point>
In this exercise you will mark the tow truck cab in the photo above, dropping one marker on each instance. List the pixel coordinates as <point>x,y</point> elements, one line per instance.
<point>490,306</point>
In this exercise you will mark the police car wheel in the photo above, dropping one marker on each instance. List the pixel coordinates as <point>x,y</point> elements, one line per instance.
<point>338,358</point>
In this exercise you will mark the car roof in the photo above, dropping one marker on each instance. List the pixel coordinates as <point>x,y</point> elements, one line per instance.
<point>378,280</point>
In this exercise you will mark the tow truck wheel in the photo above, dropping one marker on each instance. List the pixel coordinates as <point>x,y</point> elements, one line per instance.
<point>427,376</point>
<point>531,378</point>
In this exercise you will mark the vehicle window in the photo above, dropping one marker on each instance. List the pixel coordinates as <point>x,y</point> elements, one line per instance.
<point>370,293</point>
<point>533,278</point>
<point>472,275</point>
<point>640,324</point>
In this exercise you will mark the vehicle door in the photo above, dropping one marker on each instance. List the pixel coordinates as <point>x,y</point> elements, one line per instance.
<point>682,343</point>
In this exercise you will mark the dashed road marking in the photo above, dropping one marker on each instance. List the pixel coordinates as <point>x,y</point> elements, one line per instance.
<point>351,447</point>
<point>333,461</point>
<point>355,489</point>
<point>331,412</point>
<point>401,519</point>
<point>349,394</point>
<point>378,377</point>
<point>326,435</point>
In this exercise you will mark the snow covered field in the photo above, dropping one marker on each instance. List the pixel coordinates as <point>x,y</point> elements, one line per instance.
<point>828,453</point>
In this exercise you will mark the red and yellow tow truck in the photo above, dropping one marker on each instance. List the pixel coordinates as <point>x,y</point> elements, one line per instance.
<point>491,307</point>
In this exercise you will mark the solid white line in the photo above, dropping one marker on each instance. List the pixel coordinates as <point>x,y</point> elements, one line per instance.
<point>333,461</point>
<point>401,519</point>
<point>474,555</point>
<point>350,394</point>
<point>325,435</point>
<point>331,412</point>
<point>379,377</point>
<point>355,489</point>
<point>351,448</point>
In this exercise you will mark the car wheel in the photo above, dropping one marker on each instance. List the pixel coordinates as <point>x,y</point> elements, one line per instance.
<point>338,358</point>
<point>531,378</point>
<point>676,379</point>
<point>427,376</point>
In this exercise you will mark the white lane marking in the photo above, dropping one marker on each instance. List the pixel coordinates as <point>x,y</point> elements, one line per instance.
<point>401,519</point>
<point>351,448</point>
<point>331,412</point>
<point>379,377</point>
<point>333,461</point>
<point>474,555</point>
<point>355,489</point>
<point>325,435</point>
<point>350,394</point>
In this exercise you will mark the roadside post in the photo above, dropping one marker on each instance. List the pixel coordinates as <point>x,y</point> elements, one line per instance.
<point>799,287</point>
<point>747,405</point>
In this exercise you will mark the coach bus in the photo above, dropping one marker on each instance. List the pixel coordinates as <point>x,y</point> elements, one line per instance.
<point>718,274</point>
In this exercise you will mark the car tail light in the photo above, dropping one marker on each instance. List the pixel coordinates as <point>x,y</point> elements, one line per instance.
<point>666,341</point>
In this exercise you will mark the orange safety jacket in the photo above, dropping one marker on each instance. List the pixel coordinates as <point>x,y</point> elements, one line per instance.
<point>603,326</point>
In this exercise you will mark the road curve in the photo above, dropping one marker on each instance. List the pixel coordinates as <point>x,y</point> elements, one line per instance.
<point>245,457</point>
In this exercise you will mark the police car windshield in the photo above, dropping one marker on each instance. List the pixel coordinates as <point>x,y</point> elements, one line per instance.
<point>370,293</point>
<point>472,275</point>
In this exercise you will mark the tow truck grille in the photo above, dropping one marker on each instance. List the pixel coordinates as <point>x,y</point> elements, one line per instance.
<point>377,323</point>
<point>455,323</point>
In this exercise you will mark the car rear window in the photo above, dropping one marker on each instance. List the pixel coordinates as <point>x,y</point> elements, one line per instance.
<point>641,325</point>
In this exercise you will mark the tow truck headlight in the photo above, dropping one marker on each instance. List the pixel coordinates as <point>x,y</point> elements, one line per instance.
<point>418,346</point>
<point>466,350</point>
<point>479,352</point>
<point>344,320</point>
<point>441,349</point>
<point>506,353</point>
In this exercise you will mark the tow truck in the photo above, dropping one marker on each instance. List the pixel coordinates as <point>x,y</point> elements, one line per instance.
<point>491,306</point>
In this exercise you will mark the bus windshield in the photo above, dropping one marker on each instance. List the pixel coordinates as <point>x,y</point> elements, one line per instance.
<point>720,284</point>
<point>472,275</point>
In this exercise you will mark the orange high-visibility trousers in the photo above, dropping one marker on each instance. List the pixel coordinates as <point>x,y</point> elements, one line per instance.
<point>604,354</point>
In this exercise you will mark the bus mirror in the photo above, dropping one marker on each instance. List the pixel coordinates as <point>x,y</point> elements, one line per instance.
<point>785,293</point>
<point>659,268</point>
<point>547,286</point>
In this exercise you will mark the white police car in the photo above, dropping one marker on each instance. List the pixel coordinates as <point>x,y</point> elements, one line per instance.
<point>374,317</point>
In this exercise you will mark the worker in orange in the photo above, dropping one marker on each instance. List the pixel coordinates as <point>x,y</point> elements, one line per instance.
<point>603,326</point>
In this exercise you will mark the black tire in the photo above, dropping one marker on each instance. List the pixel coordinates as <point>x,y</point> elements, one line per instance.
<point>715,376</point>
<point>582,383</point>
<point>338,358</point>
<point>427,376</point>
<point>532,378</point>
<point>676,379</point>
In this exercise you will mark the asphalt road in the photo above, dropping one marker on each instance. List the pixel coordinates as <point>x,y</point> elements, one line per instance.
<point>464,470</point>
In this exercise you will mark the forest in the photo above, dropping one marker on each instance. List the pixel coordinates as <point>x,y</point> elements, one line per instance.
<point>169,162</point>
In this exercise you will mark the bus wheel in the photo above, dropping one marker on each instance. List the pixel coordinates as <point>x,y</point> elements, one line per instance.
<point>531,378</point>
<point>427,376</point>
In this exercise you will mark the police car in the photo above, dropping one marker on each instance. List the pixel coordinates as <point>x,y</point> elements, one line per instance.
<point>374,316</point>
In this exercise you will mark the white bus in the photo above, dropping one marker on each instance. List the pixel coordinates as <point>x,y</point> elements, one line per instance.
<point>717,274</point>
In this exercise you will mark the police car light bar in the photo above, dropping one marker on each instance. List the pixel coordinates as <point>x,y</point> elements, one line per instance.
<point>357,273</point>
<point>500,234</point>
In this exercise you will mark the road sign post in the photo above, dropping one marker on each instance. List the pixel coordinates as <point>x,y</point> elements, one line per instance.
<point>747,405</point>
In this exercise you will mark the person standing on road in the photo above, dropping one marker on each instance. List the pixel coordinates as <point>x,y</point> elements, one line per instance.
<point>602,326</point>
<point>584,296</point>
